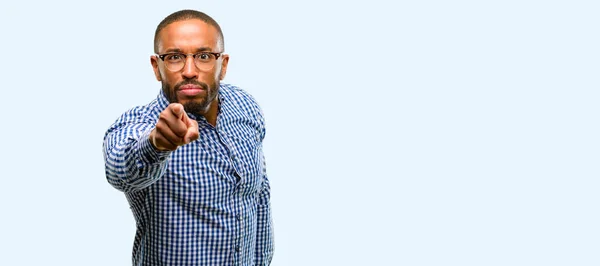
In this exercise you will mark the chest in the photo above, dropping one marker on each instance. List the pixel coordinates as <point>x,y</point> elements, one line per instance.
<point>224,160</point>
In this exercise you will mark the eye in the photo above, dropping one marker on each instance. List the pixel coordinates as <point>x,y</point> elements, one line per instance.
<point>204,56</point>
<point>173,57</point>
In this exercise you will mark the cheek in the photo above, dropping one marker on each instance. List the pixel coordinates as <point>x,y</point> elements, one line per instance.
<point>218,72</point>
<point>170,79</point>
<point>208,77</point>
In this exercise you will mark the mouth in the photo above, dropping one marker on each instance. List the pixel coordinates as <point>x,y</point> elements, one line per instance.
<point>190,90</point>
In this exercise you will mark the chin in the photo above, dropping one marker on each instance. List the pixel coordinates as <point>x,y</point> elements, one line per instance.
<point>195,107</point>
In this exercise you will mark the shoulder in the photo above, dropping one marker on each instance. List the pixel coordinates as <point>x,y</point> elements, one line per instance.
<point>235,93</point>
<point>144,114</point>
<point>242,107</point>
<point>241,99</point>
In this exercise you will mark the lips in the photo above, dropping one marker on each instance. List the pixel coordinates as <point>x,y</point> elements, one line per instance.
<point>190,87</point>
<point>190,90</point>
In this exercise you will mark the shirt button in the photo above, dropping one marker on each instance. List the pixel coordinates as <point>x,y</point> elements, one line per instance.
<point>239,217</point>
<point>237,249</point>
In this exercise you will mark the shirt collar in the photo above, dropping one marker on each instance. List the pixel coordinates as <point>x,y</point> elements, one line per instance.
<point>162,101</point>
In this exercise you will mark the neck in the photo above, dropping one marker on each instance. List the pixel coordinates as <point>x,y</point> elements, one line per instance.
<point>211,113</point>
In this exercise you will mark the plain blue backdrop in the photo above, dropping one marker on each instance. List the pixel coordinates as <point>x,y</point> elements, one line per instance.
<point>398,133</point>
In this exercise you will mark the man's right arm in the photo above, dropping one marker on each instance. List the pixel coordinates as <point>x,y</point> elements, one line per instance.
<point>131,163</point>
<point>136,151</point>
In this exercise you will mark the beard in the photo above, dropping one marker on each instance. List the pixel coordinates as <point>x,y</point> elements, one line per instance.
<point>192,106</point>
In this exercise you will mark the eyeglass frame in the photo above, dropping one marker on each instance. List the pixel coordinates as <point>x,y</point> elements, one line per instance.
<point>162,58</point>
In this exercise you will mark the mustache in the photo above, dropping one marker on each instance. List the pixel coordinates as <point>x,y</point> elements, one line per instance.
<point>193,82</point>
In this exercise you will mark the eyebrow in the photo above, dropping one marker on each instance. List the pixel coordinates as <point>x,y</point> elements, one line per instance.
<point>177,50</point>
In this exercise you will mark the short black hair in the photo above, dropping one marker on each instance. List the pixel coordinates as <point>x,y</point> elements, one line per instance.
<point>186,14</point>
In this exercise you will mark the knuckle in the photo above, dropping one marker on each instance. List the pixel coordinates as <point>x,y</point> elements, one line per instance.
<point>160,127</point>
<point>174,139</point>
<point>162,116</point>
<point>181,131</point>
<point>167,144</point>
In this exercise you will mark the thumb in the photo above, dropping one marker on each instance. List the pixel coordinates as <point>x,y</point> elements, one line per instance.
<point>192,131</point>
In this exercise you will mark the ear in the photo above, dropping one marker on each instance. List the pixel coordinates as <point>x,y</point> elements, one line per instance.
<point>224,63</point>
<point>154,61</point>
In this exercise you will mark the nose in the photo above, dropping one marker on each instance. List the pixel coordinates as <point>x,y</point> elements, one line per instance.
<point>189,69</point>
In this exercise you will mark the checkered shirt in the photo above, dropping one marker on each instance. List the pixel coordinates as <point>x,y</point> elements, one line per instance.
<point>206,203</point>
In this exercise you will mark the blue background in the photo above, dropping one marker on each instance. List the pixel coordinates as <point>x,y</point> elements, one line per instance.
<point>406,133</point>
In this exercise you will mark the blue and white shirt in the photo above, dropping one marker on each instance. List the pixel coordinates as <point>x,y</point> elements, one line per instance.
<point>206,203</point>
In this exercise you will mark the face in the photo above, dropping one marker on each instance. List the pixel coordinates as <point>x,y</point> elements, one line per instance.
<point>195,89</point>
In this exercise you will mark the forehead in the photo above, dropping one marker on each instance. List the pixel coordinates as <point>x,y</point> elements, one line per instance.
<point>188,36</point>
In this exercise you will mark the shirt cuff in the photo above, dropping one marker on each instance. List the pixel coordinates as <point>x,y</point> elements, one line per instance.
<point>148,154</point>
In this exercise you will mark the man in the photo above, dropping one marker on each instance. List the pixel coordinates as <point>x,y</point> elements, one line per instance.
<point>190,162</point>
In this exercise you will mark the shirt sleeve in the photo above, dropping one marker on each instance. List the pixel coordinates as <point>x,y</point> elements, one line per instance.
<point>131,162</point>
<point>264,237</point>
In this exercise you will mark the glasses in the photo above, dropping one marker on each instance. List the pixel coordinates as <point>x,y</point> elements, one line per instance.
<point>175,62</point>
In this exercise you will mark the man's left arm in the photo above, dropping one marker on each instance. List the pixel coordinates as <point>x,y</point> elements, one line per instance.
<point>264,234</point>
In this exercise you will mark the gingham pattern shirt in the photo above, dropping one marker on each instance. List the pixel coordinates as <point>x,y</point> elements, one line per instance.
<point>206,203</point>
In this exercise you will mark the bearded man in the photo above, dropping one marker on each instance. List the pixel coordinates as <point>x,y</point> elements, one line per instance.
<point>190,162</point>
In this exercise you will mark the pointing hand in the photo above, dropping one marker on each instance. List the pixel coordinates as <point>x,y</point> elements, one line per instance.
<point>173,129</point>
